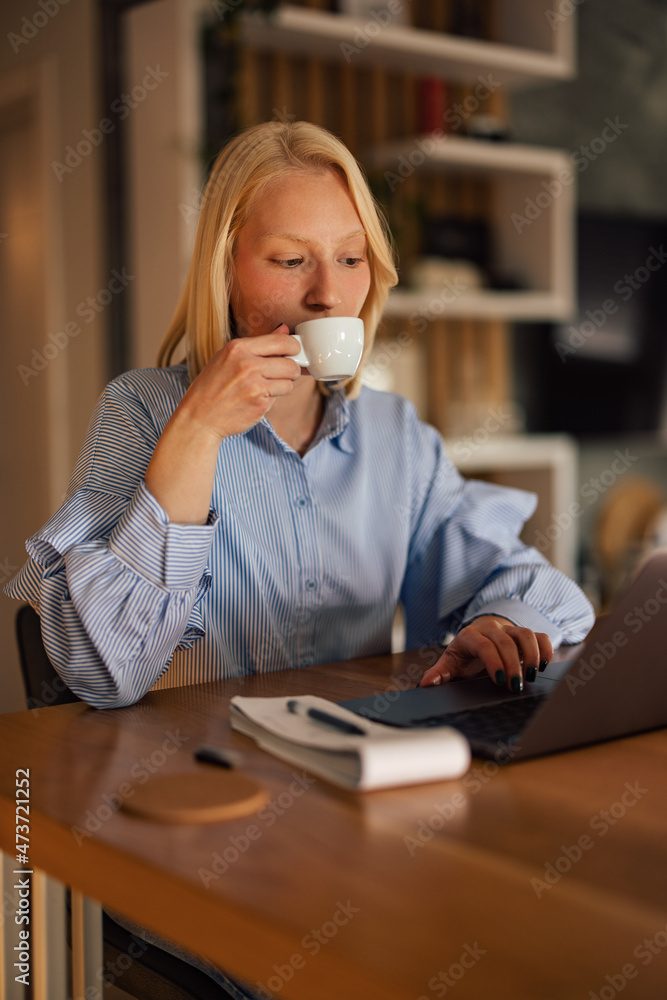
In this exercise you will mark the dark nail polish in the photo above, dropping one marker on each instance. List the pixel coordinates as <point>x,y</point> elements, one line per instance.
<point>543,665</point>
<point>531,674</point>
<point>500,676</point>
<point>517,684</point>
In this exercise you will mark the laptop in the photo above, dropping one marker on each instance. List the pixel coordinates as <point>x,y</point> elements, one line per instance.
<point>617,686</point>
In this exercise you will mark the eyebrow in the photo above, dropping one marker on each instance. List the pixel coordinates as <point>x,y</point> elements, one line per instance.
<point>301,239</point>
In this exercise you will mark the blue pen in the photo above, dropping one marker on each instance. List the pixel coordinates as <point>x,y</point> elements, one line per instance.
<point>330,720</point>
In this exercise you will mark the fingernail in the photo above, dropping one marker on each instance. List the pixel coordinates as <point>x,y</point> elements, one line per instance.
<point>543,665</point>
<point>531,674</point>
<point>517,684</point>
<point>437,679</point>
<point>500,676</point>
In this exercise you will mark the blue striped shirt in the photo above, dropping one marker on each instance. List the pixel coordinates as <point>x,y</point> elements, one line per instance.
<point>303,559</point>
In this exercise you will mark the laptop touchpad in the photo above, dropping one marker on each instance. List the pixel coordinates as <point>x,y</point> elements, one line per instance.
<point>404,707</point>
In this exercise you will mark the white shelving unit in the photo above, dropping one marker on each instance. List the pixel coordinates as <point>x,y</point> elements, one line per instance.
<point>531,51</point>
<point>538,250</point>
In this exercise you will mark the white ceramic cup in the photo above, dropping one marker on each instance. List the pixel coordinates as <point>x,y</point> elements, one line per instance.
<point>331,347</point>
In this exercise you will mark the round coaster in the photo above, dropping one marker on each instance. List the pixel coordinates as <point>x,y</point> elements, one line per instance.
<point>203,797</point>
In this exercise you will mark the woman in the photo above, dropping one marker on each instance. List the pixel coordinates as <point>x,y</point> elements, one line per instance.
<point>229,516</point>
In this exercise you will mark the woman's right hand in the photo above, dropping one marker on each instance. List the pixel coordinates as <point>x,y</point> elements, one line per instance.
<point>230,395</point>
<point>241,382</point>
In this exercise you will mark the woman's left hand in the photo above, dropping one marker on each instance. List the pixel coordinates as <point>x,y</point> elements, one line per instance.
<point>510,654</point>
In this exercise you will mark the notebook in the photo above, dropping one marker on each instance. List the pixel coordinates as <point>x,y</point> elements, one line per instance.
<point>314,733</point>
<point>617,686</point>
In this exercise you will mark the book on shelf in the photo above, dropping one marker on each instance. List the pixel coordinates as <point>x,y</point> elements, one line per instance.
<point>347,749</point>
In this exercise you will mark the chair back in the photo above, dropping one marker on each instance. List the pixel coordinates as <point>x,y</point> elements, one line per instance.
<point>43,686</point>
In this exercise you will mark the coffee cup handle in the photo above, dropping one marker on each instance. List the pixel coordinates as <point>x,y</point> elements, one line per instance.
<point>300,358</point>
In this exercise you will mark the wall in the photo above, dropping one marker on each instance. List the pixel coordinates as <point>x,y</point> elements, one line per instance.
<point>165,169</point>
<point>622,75</point>
<point>622,78</point>
<point>51,264</point>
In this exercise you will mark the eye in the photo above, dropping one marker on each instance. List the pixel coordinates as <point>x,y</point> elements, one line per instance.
<point>290,264</point>
<point>352,261</point>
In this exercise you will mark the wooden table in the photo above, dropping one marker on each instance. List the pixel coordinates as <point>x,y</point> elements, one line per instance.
<point>543,879</point>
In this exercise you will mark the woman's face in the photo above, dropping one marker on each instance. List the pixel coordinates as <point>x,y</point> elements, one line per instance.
<point>301,255</point>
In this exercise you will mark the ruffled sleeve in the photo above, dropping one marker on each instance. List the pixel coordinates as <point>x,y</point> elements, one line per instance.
<point>466,559</point>
<point>118,587</point>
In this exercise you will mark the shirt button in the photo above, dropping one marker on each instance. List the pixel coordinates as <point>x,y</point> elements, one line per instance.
<point>301,501</point>
<point>311,584</point>
<point>307,661</point>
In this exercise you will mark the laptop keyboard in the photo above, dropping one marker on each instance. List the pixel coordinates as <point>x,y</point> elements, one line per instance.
<point>490,723</point>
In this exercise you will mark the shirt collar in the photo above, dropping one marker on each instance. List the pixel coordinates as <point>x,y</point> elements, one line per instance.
<point>333,426</point>
<point>335,421</point>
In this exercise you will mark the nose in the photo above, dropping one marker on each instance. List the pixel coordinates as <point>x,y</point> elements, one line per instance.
<point>324,290</point>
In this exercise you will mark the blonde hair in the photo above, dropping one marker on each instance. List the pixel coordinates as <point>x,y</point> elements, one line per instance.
<point>242,169</point>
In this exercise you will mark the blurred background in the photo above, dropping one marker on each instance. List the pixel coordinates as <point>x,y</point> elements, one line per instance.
<point>517,148</point>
